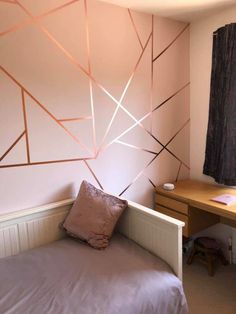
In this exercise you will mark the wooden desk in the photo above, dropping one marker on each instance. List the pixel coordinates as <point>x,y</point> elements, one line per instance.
<point>190,202</point>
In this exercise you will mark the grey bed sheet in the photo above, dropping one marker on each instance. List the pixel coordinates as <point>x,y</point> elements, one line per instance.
<point>68,277</point>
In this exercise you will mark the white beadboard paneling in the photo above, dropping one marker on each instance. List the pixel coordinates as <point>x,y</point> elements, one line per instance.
<point>23,238</point>
<point>31,228</point>
<point>9,241</point>
<point>157,233</point>
<point>43,230</point>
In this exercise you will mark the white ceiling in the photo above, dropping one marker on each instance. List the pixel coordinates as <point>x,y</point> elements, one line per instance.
<point>185,10</point>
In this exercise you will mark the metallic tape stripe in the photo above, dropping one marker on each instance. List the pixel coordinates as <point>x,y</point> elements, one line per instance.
<point>135,29</point>
<point>46,110</point>
<point>138,175</point>
<point>11,147</point>
<point>173,41</point>
<point>151,182</point>
<point>75,119</point>
<point>177,177</point>
<point>136,147</point>
<point>38,17</point>
<point>119,105</point>
<point>25,124</point>
<point>138,122</point>
<point>93,174</point>
<point>164,148</point>
<point>45,162</point>
<point>90,80</point>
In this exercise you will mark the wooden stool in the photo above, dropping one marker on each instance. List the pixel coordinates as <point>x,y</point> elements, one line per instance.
<point>207,250</point>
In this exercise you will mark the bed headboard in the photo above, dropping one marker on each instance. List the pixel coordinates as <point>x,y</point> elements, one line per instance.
<point>30,228</point>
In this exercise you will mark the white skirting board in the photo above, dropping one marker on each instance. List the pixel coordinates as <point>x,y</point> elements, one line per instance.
<point>157,233</point>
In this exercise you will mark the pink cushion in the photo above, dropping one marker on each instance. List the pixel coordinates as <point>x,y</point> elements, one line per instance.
<point>94,215</point>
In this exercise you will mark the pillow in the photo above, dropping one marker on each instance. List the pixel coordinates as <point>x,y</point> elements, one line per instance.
<point>94,215</point>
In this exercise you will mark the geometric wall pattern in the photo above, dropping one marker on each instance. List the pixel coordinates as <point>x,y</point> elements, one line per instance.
<point>100,87</point>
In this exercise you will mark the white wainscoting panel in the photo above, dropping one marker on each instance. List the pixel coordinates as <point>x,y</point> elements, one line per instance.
<point>155,232</point>
<point>38,232</point>
<point>32,228</point>
<point>9,241</point>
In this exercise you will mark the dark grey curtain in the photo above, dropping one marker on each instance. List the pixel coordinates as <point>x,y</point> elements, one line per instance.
<point>220,155</point>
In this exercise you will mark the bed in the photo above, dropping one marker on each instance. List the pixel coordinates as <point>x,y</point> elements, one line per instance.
<point>45,272</point>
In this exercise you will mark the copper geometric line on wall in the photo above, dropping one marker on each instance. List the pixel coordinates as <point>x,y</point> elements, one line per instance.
<point>37,17</point>
<point>177,177</point>
<point>134,70</point>
<point>150,181</point>
<point>119,103</point>
<point>171,43</point>
<point>33,19</point>
<point>75,119</point>
<point>46,110</point>
<point>138,175</point>
<point>142,171</point>
<point>136,147</point>
<point>90,76</point>
<point>70,57</point>
<point>138,122</point>
<point>41,162</point>
<point>12,146</point>
<point>163,148</point>
<point>93,173</point>
<point>26,125</point>
<point>181,128</point>
<point>173,137</point>
<point>135,29</point>
<point>54,161</point>
<point>44,162</point>
<point>54,41</point>
<point>90,80</point>
<point>89,158</point>
<point>75,62</point>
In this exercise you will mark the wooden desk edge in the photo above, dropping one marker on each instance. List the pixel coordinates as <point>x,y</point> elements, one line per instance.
<point>212,208</point>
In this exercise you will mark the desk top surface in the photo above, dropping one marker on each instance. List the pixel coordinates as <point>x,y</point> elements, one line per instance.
<point>199,194</point>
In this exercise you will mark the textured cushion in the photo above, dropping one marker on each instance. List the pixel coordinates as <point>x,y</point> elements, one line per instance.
<point>94,215</point>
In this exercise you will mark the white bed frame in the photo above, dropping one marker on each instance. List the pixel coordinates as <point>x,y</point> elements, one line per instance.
<point>30,228</point>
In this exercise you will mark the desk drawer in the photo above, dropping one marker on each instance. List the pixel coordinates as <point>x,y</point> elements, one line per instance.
<point>171,203</point>
<point>175,215</point>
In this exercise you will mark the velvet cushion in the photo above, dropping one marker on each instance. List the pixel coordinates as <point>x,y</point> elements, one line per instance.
<point>94,215</point>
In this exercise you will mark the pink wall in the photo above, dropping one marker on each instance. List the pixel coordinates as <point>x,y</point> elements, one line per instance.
<point>90,91</point>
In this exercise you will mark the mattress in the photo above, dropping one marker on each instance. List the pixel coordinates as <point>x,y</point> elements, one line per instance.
<point>68,277</point>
